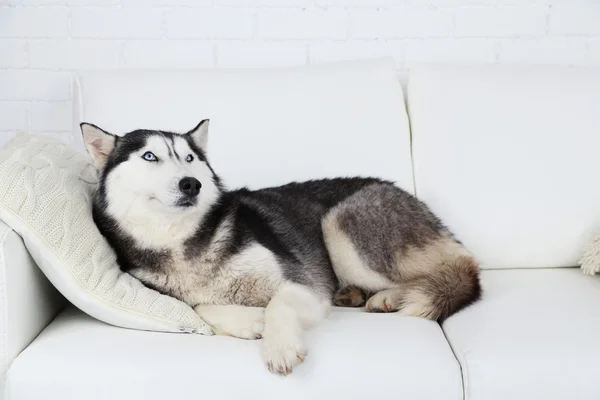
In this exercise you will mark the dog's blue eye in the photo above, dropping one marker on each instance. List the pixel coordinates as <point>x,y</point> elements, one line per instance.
<point>149,156</point>
<point>189,158</point>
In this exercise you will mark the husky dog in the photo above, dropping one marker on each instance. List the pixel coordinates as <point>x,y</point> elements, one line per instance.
<point>269,263</point>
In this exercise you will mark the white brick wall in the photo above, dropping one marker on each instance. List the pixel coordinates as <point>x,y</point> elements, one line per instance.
<point>502,21</point>
<point>402,22</point>
<point>116,22</point>
<point>575,19</point>
<point>74,54</point>
<point>290,24</point>
<point>209,23</point>
<point>43,42</point>
<point>34,22</point>
<point>168,54</point>
<point>246,54</point>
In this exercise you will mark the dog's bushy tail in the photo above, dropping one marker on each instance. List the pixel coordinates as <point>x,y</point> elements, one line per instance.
<point>451,287</point>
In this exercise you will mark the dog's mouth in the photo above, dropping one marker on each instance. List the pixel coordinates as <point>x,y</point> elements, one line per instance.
<point>186,203</point>
<point>182,203</point>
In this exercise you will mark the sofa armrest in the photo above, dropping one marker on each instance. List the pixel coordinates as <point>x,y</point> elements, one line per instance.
<point>28,301</point>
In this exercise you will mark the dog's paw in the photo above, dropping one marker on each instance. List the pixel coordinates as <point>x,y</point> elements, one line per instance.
<point>237,321</point>
<point>350,296</point>
<point>283,347</point>
<point>590,268</point>
<point>281,358</point>
<point>385,301</point>
<point>250,324</point>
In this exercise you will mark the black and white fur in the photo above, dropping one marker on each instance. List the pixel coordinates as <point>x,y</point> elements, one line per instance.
<point>268,263</point>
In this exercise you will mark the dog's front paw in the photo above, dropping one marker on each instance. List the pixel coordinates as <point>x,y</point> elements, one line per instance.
<point>249,324</point>
<point>237,321</point>
<point>281,358</point>
<point>283,347</point>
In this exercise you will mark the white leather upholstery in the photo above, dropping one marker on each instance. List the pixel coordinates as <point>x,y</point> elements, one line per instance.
<point>27,300</point>
<point>353,355</point>
<point>533,336</point>
<point>270,126</point>
<point>508,157</point>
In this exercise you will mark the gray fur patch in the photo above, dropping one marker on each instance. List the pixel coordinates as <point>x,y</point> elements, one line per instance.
<point>382,220</point>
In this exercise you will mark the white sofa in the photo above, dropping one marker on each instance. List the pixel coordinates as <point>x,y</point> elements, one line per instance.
<point>508,157</point>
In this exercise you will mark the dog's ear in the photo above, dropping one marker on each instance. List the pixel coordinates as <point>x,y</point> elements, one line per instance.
<point>199,134</point>
<point>98,143</point>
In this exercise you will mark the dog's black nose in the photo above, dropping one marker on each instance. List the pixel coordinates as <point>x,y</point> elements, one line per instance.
<point>190,186</point>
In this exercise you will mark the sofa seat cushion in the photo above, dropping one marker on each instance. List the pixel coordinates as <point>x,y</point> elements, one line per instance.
<point>353,355</point>
<point>534,335</point>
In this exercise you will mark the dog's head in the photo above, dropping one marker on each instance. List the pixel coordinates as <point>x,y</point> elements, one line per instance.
<point>148,175</point>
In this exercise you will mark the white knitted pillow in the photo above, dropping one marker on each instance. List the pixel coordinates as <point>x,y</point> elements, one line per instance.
<point>45,196</point>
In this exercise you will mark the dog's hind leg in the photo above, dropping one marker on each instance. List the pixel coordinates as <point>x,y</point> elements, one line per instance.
<point>384,240</point>
<point>356,276</point>
<point>234,320</point>
<point>294,309</point>
<point>350,296</point>
<point>451,286</point>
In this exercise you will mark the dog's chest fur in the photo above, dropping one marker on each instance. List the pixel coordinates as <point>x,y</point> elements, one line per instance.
<point>212,276</point>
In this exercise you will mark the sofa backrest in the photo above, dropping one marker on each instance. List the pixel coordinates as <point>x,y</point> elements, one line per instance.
<point>509,158</point>
<point>267,127</point>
